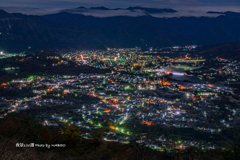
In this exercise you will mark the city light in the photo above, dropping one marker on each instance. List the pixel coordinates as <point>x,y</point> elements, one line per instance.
<point>126,93</point>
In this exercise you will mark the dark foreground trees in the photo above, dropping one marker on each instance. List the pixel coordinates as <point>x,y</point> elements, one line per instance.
<point>14,130</point>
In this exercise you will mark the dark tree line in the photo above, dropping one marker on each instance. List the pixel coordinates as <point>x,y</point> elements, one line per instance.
<point>27,130</point>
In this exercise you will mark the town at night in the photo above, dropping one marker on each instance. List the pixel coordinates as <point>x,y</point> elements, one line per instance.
<point>111,80</point>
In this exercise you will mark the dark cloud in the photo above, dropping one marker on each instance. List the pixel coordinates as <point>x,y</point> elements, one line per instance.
<point>196,8</point>
<point>31,11</point>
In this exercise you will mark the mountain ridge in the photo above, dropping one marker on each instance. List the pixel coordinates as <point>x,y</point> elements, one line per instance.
<point>66,30</point>
<point>222,50</point>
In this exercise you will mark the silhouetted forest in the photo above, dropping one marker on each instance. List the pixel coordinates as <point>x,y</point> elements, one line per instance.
<point>27,130</point>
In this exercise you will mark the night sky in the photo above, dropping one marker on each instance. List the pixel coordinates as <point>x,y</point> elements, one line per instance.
<point>51,6</point>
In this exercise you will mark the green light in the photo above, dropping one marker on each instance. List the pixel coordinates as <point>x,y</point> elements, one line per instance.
<point>76,95</point>
<point>31,77</point>
<point>97,112</point>
<point>91,121</point>
<point>117,128</point>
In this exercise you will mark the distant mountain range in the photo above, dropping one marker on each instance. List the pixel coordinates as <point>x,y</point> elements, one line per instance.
<point>135,26</point>
<point>132,9</point>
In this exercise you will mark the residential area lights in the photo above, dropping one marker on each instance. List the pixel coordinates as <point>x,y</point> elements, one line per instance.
<point>129,89</point>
